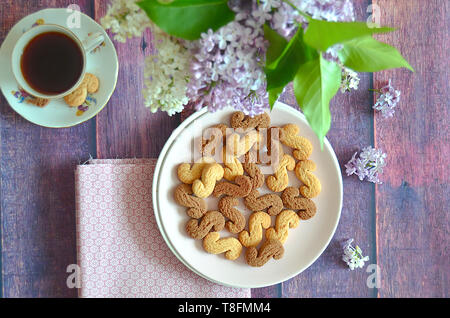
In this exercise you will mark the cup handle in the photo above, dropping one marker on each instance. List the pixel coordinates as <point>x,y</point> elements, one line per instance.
<point>92,41</point>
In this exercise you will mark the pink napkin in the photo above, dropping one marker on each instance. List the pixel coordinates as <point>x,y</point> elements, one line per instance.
<point>121,252</point>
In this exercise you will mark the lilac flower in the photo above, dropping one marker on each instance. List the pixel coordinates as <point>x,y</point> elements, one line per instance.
<point>370,163</point>
<point>353,255</point>
<point>388,100</point>
<point>226,68</point>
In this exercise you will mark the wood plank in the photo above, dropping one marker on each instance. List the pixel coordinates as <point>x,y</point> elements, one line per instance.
<point>37,188</point>
<point>126,128</point>
<point>352,129</point>
<point>412,203</point>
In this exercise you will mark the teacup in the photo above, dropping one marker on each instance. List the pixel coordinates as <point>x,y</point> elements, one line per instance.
<point>49,60</point>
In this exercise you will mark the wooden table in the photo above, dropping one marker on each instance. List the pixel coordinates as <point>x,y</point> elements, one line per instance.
<point>402,224</point>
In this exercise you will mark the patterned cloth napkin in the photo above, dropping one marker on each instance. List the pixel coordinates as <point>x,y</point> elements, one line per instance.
<point>121,252</point>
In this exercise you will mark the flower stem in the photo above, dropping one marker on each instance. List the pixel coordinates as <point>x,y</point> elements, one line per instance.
<point>304,14</point>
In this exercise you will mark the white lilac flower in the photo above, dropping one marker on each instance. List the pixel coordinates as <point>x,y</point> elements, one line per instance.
<point>125,19</point>
<point>388,100</point>
<point>353,255</point>
<point>368,166</point>
<point>166,75</point>
<point>350,80</point>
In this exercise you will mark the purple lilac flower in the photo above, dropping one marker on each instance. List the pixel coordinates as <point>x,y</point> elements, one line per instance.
<point>388,100</point>
<point>370,163</point>
<point>226,68</point>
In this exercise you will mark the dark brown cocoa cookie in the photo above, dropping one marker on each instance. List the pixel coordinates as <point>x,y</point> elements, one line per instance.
<point>255,174</point>
<point>215,140</point>
<point>272,202</point>
<point>293,200</point>
<point>241,188</point>
<point>183,196</point>
<point>211,220</point>
<point>226,207</point>
<point>269,249</point>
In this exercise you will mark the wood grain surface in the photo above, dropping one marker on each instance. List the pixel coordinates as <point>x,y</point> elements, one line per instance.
<point>402,224</point>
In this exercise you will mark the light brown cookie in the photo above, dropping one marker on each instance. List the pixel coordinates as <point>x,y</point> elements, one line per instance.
<point>198,229</point>
<point>284,221</point>
<point>188,174</point>
<point>92,83</point>
<point>269,249</point>
<point>312,186</point>
<point>197,206</point>
<point>226,207</point>
<point>239,146</point>
<point>203,187</point>
<point>292,200</point>
<point>302,146</point>
<point>241,188</point>
<point>256,223</point>
<point>271,201</point>
<point>77,97</point>
<point>233,166</point>
<point>212,243</point>
<point>241,121</point>
<point>280,180</point>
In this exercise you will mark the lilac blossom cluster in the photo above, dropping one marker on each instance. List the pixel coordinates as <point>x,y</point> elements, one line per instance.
<point>370,163</point>
<point>388,100</point>
<point>227,65</point>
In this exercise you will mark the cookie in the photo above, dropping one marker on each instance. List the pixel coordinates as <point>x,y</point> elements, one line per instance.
<point>272,202</point>
<point>203,187</point>
<point>280,180</point>
<point>241,121</point>
<point>37,101</point>
<point>237,220</point>
<point>284,221</point>
<point>188,174</point>
<point>292,200</point>
<point>253,171</point>
<point>214,138</point>
<point>77,97</point>
<point>212,243</point>
<point>302,146</point>
<point>275,151</point>
<point>239,146</point>
<point>197,206</point>
<point>269,249</point>
<point>90,84</point>
<point>256,223</point>
<point>241,188</point>
<point>233,166</point>
<point>312,186</point>
<point>212,220</point>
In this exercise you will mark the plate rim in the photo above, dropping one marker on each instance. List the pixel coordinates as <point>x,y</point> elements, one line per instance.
<point>116,75</point>
<point>155,202</point>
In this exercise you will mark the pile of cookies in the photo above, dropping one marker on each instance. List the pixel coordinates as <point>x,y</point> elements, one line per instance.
<point>238,154</point>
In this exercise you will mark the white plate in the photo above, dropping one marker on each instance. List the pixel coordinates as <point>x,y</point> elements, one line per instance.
<point>304,244</point>
<point>102,62</point>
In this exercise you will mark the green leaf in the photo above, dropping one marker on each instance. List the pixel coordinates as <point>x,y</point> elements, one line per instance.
<point>187,19</point>
<point>366,54</point>
<point>277,43</point>
<point>274,94</point>
<point>315,84</point>
<point>280,71</point>
<point>323,34</point>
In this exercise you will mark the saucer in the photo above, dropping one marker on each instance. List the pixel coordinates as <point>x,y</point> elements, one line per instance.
<point>102,62</point>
